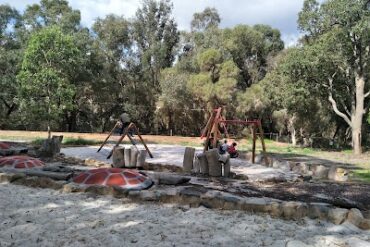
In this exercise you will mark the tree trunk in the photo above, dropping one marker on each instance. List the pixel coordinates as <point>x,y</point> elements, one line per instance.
<point>357,115</point>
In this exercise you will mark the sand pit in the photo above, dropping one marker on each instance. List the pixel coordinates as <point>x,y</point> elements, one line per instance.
<point>43,217</point>
<point>172,155</point>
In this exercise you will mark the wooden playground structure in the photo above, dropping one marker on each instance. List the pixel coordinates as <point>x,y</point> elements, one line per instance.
<point>126,132</point>
<point>217,122</point>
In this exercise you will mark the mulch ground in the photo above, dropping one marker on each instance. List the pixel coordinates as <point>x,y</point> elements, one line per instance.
<point>346,195</point>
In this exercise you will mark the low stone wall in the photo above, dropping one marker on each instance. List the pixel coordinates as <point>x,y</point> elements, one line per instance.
<point>196,196</point>
<point>318,171</point>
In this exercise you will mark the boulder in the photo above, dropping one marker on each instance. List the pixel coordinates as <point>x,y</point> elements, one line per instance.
<point>133,157</point>
<point>294,210</point>
<point>337,215</point>
<point>127,156</point>
<point>355,217</point>
<point>320,171</point>
<point>338,174</point>
<point>318,210</point>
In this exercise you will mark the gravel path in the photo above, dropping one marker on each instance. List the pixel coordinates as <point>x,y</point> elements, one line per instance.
<point>43,217</point>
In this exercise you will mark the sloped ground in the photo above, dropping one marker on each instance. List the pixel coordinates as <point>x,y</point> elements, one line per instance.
<point>43,217</point>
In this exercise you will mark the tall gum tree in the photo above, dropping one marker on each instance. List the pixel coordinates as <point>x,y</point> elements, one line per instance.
<point>341,29</point>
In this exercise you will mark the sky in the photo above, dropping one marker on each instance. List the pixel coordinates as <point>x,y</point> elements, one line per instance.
<point>281,14</point>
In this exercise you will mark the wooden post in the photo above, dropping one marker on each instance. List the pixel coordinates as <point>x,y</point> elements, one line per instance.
<point>106,139</point>
<point>262,142</point>
<point>208,130</point>
<point>254,143</point>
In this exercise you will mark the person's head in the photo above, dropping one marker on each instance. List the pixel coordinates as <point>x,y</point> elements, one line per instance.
<point>234,144</point>
<point>225,141</point>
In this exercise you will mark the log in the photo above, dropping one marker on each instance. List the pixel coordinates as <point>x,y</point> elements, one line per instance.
<point>133,157</point>
<point>127,156</point>
<point>188,159</point>
<point>118,157</point>
<point>40,173</point>
<point>203,164</point>
<point>214,166</point>
<point>141,159</point>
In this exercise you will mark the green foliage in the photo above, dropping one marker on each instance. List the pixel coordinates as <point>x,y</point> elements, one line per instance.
<point>208,18</point>
<point>45,88</point>
<point>79,141</point>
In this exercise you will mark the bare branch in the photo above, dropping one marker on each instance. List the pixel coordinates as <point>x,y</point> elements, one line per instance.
<point>337,111</point>
<point>367,94</point>
<point>334,103</point>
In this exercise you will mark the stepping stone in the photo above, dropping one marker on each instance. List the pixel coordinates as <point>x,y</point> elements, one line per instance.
<point>124,178</point>
<point>20,162</point>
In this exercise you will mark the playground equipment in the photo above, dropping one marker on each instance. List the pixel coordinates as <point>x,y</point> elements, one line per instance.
<point>217,121</point>
<point>126,132</point>
<point>20,162</point>
<point>126,179</point>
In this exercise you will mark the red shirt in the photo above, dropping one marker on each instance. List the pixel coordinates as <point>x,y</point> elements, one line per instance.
<point>231,149</point>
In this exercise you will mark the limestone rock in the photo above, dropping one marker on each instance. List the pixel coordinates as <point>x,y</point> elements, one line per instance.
<point>337,215</point>
<point>355,217</point>
<point>118,157</point>
<point>188,159</point>
<point>203,164</point>
<point>338,174</point>
<point>295,243</point>
<point>320,171</point>
<point>294,210</point>
<point>318,210</point>
<point>133,157</point>
<point>141,158</point>
<point>127,158</point>
<point>214,166</point>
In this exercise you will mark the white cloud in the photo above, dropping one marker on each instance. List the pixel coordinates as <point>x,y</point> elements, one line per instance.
<point>281,14</point>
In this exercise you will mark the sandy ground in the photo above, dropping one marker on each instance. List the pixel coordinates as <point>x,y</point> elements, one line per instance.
<point>43,217</point>
<point>174,155</point>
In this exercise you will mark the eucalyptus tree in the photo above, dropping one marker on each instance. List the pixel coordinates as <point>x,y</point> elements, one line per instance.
<point>337,46</point>
<point>46,90</point>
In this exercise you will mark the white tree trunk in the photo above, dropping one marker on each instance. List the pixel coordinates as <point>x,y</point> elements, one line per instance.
<point>358,114</point>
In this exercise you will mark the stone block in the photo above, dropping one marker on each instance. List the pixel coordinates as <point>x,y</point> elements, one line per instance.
<point>214,166</point>
<point>188,159</point>
<point>337,215</point>
<point>118,157</point>
<point>318,210</point>
<point>294,210</point>
<point>355,217</point>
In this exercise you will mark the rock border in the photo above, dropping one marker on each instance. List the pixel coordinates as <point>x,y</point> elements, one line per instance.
<point>196,196</point>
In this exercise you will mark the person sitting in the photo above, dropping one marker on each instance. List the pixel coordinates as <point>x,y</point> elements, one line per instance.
<point>224,147</point>
<point>124,123</point>
<point>232,150</point>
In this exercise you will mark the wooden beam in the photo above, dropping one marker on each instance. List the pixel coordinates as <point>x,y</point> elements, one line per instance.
<point>142,140</point>
<point>254,143</point>
<point>106,139</point>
